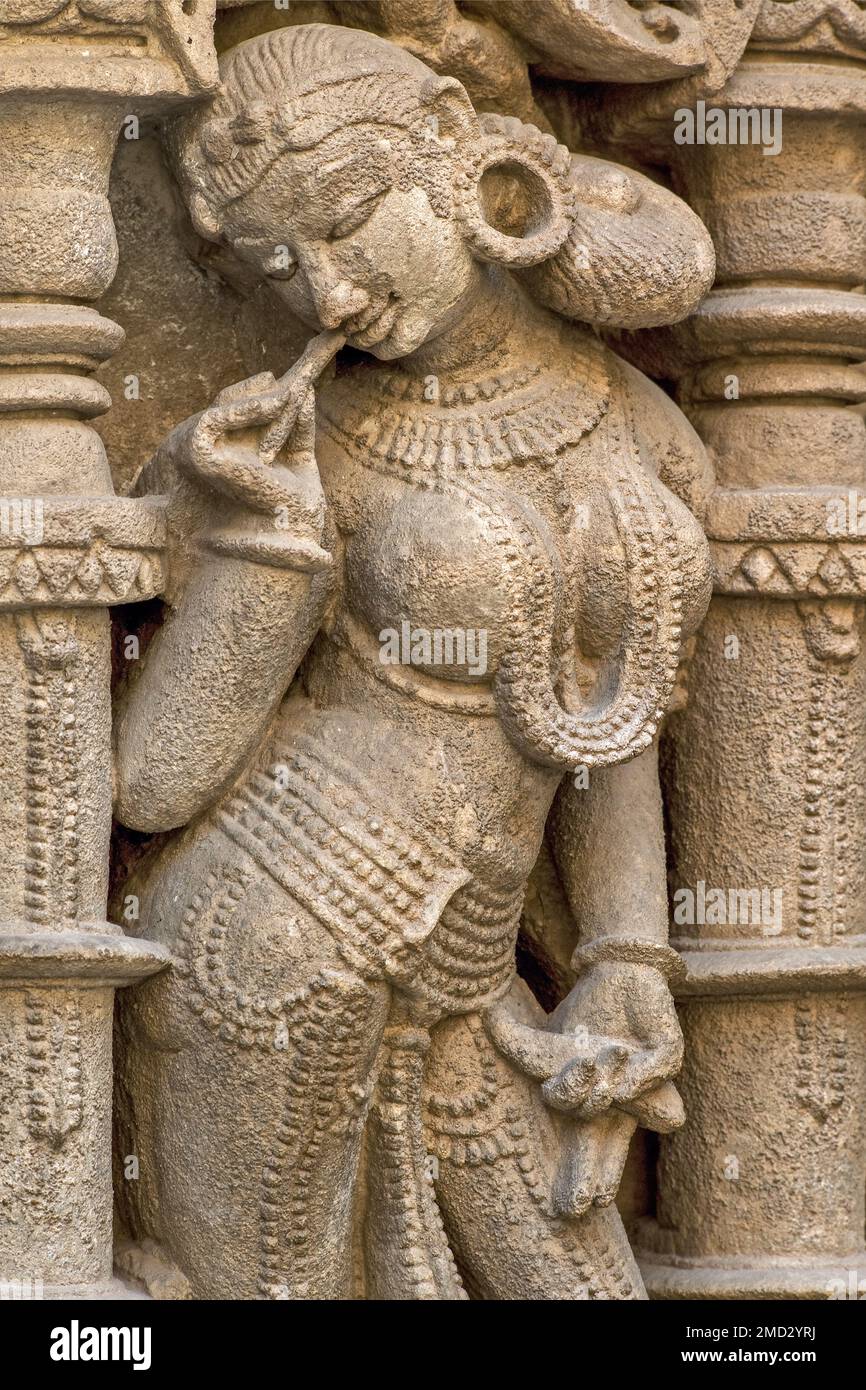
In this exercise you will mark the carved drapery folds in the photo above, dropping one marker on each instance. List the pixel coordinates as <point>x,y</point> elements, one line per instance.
<point>321,961</point>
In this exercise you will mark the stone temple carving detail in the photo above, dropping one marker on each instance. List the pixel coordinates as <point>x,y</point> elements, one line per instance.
<point>439,709</point>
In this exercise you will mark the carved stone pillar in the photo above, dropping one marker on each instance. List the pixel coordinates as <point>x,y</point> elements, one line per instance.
<point>69,75</point>
<point>761,1194</point>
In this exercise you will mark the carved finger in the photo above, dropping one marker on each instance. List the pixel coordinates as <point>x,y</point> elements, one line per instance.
<point>244,413</point>
<point>252,386</point>
<point>535,1051</point>
<point>569,1088</point>
<point>607,1069</point>
<point>660,1109</point>
<point>241,478</point>
<point>294,385</point>
<point>305,428</point>
<point>647,1069</point>
<point>297,420</point>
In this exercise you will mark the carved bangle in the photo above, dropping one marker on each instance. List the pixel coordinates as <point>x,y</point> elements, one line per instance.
<point>630,950</point>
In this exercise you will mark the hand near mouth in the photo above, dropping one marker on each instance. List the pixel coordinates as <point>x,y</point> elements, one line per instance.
<point>255,444</point>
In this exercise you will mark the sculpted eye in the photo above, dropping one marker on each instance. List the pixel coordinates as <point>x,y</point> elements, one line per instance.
<point>357,216</point>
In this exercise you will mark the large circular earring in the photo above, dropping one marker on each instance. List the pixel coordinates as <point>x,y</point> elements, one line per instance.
<point>542,167</point>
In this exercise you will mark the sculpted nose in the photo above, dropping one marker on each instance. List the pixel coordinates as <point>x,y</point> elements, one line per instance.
<point>340,301</point>
<point>334,296</point>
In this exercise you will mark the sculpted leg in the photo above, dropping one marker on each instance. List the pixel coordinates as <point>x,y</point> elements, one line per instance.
<point>245,1085</point>
<point>498,1150</point>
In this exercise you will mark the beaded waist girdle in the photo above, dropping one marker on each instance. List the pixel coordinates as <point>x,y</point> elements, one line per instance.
<point>397,901</point>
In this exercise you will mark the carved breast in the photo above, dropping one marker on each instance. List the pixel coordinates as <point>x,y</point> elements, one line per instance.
<point>441,502</point>
<point>465,556</point>
<point>431,570</point>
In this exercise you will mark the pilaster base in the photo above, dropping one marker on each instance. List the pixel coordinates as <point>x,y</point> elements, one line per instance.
<point>838,1277</point>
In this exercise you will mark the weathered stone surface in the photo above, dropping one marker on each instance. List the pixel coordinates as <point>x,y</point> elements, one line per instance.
<point>410,570</point>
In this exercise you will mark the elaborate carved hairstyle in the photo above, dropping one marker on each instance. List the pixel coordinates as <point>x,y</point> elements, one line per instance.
<point>288,90</point>
<point>606,246</point>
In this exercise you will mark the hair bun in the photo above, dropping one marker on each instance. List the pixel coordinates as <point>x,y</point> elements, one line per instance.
<point>636,255</point>
<point>255,124</point>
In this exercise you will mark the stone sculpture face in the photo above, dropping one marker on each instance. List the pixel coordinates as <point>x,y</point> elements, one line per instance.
<point>347,205</point>
<point>348,247</point>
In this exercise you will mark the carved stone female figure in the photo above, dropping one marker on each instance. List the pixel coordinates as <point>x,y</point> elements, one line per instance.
<point>342,1024</point>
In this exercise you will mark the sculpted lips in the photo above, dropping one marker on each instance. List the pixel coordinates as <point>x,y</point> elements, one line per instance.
<point>367,329</point>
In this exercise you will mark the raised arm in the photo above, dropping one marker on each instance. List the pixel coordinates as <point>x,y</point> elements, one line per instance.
<point>249,580</point>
